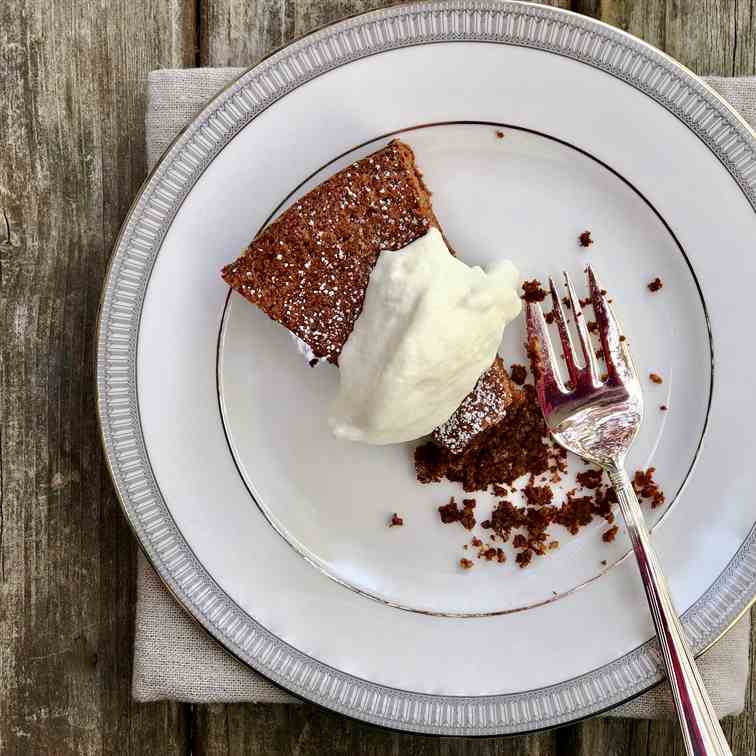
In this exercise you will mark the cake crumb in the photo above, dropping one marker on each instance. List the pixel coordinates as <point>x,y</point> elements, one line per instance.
<point>603,562</point>
<point>524,558</point>
<point>465,564</point>
<point>590,478</point>
<point>585,239</point>
<point>655,285</point>
<point>663,407</point>
<point>549,317</point>
<point>499,134</point>
<point>452,513</point>
<point>655,378</point>
<point>449,512</point>
<point>610,534</point>
<point>396,521</point>
<point>647,488</point>
<point>532,291</point>
<point>518,374</point>
<point>535,355</point>
<point>592,326</point>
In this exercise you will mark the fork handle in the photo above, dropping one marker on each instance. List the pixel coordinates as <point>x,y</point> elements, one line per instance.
<point>702,732</point>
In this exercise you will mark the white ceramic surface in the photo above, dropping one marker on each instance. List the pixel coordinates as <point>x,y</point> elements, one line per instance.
<point>652,131</point>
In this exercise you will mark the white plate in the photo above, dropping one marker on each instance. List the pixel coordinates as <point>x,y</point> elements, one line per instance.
<point>207,410</point>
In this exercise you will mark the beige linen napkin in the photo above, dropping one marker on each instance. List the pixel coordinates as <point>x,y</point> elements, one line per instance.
<point>175,659</point>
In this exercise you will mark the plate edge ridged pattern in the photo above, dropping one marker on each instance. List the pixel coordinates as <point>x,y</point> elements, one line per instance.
<point>597,45</point>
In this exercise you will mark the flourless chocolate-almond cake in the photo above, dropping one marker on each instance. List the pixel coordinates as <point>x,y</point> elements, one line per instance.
<point>309,269</point>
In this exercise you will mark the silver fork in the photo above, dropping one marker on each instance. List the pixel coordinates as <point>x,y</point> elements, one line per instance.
<point>599,420</point>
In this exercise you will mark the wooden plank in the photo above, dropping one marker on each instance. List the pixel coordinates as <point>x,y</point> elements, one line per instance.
<point>290,729</point>
<point>72,90</point>
<point>240,32</point>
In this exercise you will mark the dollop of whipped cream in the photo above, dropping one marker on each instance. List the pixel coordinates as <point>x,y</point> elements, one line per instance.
<point>430,326</point>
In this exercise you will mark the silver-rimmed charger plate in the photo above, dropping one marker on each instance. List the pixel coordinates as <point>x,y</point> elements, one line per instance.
<point>270,533</point>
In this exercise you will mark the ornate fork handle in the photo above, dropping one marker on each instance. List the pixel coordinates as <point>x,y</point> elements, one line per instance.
<point>702,732</point>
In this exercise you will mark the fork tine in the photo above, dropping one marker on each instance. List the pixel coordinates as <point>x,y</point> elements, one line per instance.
<point>616,354</point>
<point>564,334</point>
<point>542,358</point>
<point>585,340</point>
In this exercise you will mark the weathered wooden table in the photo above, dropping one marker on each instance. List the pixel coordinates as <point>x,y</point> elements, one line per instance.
<point>72,86</point>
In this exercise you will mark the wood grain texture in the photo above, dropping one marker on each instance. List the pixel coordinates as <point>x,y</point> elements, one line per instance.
<point>72,94</point>
<point>268,729</point>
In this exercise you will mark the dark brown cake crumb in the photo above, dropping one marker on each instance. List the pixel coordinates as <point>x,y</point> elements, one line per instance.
<point>590,478</point>
<point>476,542</point>
<point>655,378</point>
<point>538,496</point>
<point>549,317</point>
<point>576,512</point>
<point>610,534</point>
<point>499,490</point>
<point>449,512</point>
<point>603,562</point>
<point>532,291</point>
<point>396,521</point>
<point>313,362</point>
<point>465,564</point>
<point>663,407</point>
<point>535,355</point>
<point>656,284</point>
<point>622,338</point>
<point>647,488</point>
<point>452,513</point>
<point>518,374</point>
<point>524,558</point>
<point>500,134</point>
<point>585,239</point>
<point>592,326</point>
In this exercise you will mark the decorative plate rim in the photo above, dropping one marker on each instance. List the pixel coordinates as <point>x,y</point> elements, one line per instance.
<point>596,44</point>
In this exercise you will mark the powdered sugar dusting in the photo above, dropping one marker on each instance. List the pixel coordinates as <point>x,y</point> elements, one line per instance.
<point>309,269</point>
<point>483,407</point>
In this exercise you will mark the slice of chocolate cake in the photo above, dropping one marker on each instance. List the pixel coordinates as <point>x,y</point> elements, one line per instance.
<point>309,269</point>
<point>485,406</point>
